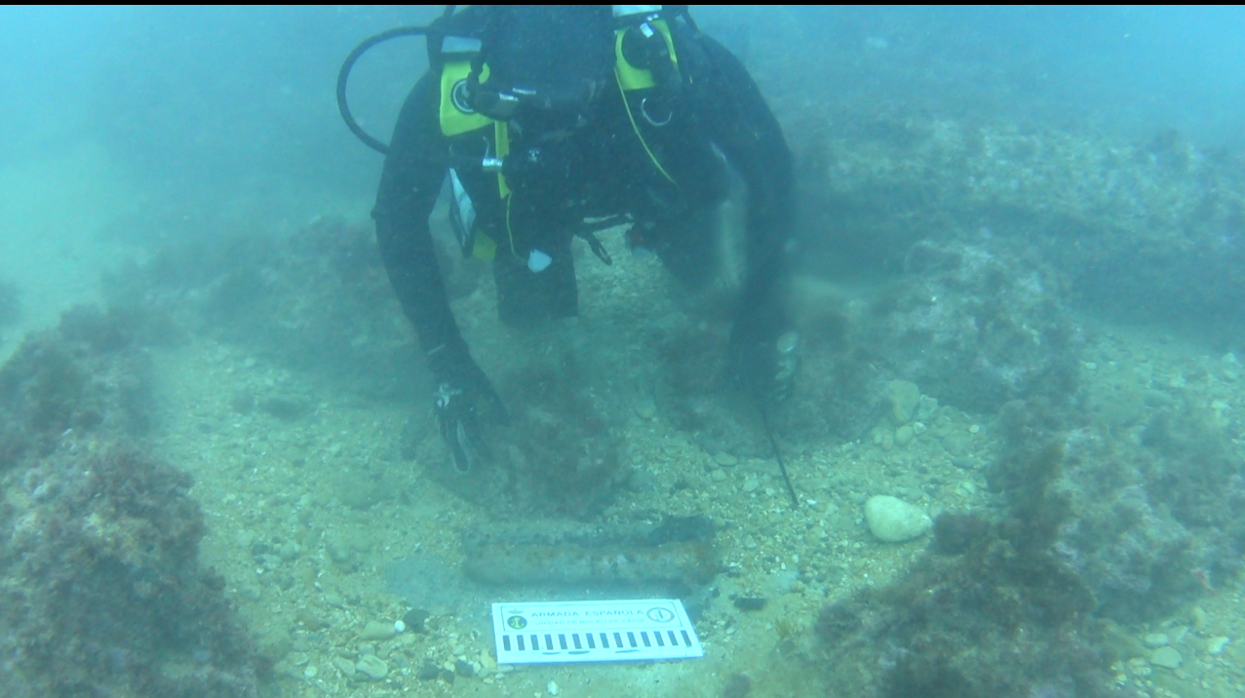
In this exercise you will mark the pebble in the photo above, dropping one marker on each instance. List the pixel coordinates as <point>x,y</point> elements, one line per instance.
<point>1166,657</point>
<point>345,666</point>
<point>310,671</point>
<point>725,459</point>
<point>372,666</point>
<point>904,435</point>
<point>376,630</point>
<point>717,476</point>
<point>957,444</point>
<point>1197,617</point>
<point>646,409</point>
<point>1215,645</point>
<point>415,620</point>
<point>904,397</point>
<point>552,688</point>
<point>1156,640</point>
<point>751,484</point>
<point>893,520</point>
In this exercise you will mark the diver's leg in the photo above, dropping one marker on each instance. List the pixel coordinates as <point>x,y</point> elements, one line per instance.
<point>687,245</point>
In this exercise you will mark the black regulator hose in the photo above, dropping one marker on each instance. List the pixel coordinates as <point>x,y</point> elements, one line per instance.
<point>343,76</point>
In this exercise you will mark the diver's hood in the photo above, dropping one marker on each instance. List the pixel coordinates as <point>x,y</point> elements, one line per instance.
<point>550,58</point>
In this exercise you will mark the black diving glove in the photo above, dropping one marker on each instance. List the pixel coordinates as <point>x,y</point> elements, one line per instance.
<point>467,407</point>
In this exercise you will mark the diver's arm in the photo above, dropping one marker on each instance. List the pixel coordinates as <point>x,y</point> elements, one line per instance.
<point>410,182</point>
<point>732,111</point>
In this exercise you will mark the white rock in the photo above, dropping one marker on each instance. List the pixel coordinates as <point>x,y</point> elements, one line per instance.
<point>552,688</point>
<point>893,520</point>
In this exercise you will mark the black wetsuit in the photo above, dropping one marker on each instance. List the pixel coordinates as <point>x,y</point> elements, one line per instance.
<point>601,170</point>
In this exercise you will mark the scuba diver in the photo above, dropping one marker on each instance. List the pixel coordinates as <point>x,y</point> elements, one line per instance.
<point>553,122</point>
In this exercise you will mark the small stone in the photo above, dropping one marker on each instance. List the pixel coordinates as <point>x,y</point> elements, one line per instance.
<point>964,463</point>
<point>751,484</point>
<point>717,476</point>
<point>1156,640</point>
<point>486,661</point>
<point>725,459</point>
<point>957,444</point>
<point>376,630</point>
<point>1166,657</point>
<point>918,428</point>
<point>750,603</point>
<point>310,671</point>
<point>904,397</point>
<point>1197,617</point>
<point>464,668</point>
<point>893,520</point>
<point>415,620</point>
<point>428,672</point>
<point>345,666</point>
<point>904,435</point>
<point>552,688</point>
<point>646,409</point>
<point>1215,645</point>
<point>372,666</point>
<point>399,626</point>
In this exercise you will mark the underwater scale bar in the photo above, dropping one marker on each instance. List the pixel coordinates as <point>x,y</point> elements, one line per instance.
<point>593,631</point>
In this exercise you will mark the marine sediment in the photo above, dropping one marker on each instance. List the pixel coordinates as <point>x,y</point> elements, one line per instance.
<point>678,551</point>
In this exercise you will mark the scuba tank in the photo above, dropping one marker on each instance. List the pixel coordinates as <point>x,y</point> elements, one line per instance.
<point>453,36</point>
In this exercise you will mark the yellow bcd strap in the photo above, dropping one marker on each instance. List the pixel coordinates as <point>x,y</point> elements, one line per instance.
<point>633,78</point>
<point>456,117</point>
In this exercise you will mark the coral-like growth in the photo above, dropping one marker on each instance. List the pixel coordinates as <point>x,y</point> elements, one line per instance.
<point>79,378</point>
<point>992,612</point>
<point>103,594</point>
<point>1135,521</point>
<point>976,328</point>
<point>317,299</point>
